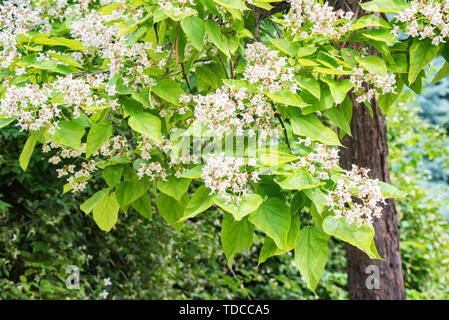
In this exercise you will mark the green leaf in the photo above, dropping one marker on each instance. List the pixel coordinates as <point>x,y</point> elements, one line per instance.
<point>143,97</point>
<point>68,134</point>
<point>172,210</point>
<point>311,255</point>
<point>317,197</point>
<point>443,73</point>
<point>311,126</point>
<point>285,46</point>
<point>310,85</point>
<point>273,217</point>
<point>213,32</point>
<point>143,206</point>
<point>232,4</point>
<point>105,212</point>
<point>146,124</point>
<point>130,191</point>
<point>373,64</point>
<point>422,52</point>
<point>248,204</point>
<point>338,90</point>
<point>99,134</point>
<point>174,187</point>
<point>194,29</point>
<point>66,59</point>
<point>200,201</point>
<point>390,191</point>
<point>5,122</point>
<point>269,247</point>
<point>274,158</point>
<point>383,35</point>
<point>286,97</point>
<point>90,203</point>
<point>235,236</point>
<point>27,151</point>
<point>58,41</point>
<point>385,6</point>
<point>341,117</point>
<point>168,90</point>
<point>360,237</point>
<point>386,100</point>
<point>300,179</point>
<point>193,173</point>
<point>112,174</point>
<point>370,20</point>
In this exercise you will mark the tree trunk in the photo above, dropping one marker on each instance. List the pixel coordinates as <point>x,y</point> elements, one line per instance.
<point>368,148</point>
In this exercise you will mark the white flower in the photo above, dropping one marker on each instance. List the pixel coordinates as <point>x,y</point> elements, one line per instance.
<point>107,281</point>
<point>104,294</point>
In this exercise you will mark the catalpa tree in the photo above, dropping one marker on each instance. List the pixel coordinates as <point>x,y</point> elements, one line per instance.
<point>176,106</point>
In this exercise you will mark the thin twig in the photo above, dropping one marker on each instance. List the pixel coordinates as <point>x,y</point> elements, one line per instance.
<point>83,74</point>
<point>224,67</point>
<point>278,116</point>
<point>241,284</point>
<point>277,29</point>
<point>231,68</point>
<point>185,77</point>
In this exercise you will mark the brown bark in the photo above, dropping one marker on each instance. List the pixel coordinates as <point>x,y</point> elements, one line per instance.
<point>368,148</point>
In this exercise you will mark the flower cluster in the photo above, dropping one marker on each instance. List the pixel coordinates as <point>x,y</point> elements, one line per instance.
<point>362,79</point>
<point>308,18</point>
<point>77,93</point>
<point>36,107</point>
<point>355,184</point>
<point>426,19</point>
<point>154,170</point>
<point>222,173</point>
<point>179,6</point>
<point>266,67</point>
<point>78,174</point>
<point>146,145</point>
<point>230,108</point>
<point>16,18</point>
<point>101,32</point>
<point>115,146</point>
<point>320,161</point>
<point>77,177</point>
<point>30,105</point>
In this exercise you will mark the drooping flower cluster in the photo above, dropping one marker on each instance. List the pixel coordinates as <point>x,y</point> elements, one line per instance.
<point>362,79</point>
<point>266,67</point>
<point>153,170</point>
<point>149,149</point>
<point>320,161</point>
<point>93,31</point>
<point>146,145</point>
<point>16,18</point>
<point>78,93</point>
<point>30,105</point>
<point>426,19</point>
<point>179,6</point>
<point>39,107</point>
<point>101,32</point>
<point>356,197</point>
<point>230,108</point>
<point>224,173</point>
<point>308,18</point>
<point>78,173</point>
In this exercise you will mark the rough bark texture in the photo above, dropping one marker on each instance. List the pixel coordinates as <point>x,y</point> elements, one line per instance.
<point>368,148</point>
